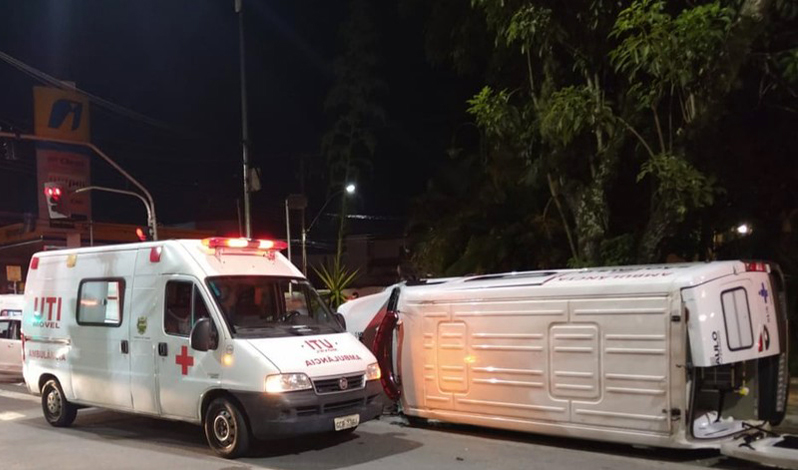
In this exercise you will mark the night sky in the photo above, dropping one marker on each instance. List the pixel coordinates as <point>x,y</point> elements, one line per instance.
<point>176,62</point>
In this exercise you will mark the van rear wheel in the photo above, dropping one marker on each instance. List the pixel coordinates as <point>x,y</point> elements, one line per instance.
<point>226,429</point>
<point>57,410</point>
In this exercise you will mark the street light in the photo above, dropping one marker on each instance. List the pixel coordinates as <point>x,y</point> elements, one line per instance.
<point>349,189</point>
<point>743,229</point>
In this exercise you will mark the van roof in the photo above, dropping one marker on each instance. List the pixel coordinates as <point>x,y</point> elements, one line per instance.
<point>615,279</point>
<point>239,262</point>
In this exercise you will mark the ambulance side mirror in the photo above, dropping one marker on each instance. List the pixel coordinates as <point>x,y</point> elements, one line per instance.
<point>204,336</point>
<point>339,317</point>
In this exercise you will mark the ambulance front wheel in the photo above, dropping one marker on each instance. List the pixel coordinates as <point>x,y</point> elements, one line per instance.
<point>57,410</point>
<point>225,428</point>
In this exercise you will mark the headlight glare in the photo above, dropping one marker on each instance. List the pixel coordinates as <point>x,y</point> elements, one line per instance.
<point>373,371</point>
<point>280,383</point>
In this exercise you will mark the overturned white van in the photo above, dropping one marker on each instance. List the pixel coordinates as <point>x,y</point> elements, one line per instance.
<point>689,355</point>
<point>225,333</point>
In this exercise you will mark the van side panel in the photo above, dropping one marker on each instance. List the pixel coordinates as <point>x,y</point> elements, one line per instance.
<point>145,329</point>
<point>592,362</point>
<point>100,368</point>
<point>507,358</point>
<point>634,359</point>
<point>48,346</point>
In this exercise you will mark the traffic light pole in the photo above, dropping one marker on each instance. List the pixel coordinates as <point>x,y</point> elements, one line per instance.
<point>150,219</point>
<point>149,201</point>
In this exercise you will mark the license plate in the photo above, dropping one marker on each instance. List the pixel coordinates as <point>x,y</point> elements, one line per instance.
<point>346,422</point>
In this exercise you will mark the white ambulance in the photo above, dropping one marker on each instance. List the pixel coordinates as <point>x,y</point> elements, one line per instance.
<point>688,355</point>
<point>225,333</point>
<point>10,336</point>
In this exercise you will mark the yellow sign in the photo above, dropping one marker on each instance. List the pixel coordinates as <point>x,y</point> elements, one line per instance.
<point>14,273</point>
<point>61,114</point>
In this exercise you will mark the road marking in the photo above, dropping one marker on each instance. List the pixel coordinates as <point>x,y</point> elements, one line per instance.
<point>19,396</point>
<point>10,415</point>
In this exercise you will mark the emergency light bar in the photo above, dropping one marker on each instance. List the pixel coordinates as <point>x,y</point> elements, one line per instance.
<point>220,242</point>
<point>757,266</point>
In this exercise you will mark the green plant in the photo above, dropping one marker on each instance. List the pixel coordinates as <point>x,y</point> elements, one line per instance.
<point>336,278</point>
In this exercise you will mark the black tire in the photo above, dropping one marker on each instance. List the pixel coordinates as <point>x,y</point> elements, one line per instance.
<point>346,431</point>
<point>226,429</point>
<point>57,410</point>
<point>416,422</point>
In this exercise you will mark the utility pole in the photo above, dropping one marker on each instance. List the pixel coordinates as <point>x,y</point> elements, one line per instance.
<point>244,127</point>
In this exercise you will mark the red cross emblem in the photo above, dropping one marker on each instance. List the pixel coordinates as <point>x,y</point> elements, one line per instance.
<point>184,360</point>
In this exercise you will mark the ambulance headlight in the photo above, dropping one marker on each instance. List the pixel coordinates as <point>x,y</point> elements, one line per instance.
<point>373,372</point>
<point>287,383</point>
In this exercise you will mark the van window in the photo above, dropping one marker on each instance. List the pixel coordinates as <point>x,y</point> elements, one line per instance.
<point>100,302</point>
<point>10,313</point>
<point>737,317</point>
<point>184,306</point>
<point>268,306</point>
<point>5,329</point>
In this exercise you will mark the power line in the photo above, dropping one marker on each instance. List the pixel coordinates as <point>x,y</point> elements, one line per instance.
<point>103,103</point>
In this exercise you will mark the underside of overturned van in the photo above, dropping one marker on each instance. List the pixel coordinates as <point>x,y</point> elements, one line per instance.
<point>689,355</point>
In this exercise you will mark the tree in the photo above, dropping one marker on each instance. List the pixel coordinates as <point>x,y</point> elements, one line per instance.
<point>595,97</point>
<point>350,142</point>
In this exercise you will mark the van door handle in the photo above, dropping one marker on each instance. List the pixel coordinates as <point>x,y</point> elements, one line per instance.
<point>162,351</point>
<point>125,348</point>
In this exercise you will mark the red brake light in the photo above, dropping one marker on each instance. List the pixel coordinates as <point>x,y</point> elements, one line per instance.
<point>757,266</point>
<point>221,242</point>
<point>155,254</point>
<point>34,263</point>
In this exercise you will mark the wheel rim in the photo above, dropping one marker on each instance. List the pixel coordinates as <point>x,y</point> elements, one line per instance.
<point>224,428</point>
<point>54,402</point>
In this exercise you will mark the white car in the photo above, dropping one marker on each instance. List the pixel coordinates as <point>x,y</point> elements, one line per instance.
<point>10,336</point>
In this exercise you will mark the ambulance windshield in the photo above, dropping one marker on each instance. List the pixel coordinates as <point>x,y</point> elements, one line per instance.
<point>267,307</point>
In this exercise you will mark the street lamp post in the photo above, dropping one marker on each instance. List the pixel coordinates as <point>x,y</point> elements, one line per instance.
<point>349,189</point>
<point>244,125</point>
<point>297,202</point>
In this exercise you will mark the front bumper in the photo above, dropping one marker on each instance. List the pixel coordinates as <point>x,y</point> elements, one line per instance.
<point>273,416</point>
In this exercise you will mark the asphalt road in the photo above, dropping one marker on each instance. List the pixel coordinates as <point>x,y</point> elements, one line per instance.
<point>104,439</point>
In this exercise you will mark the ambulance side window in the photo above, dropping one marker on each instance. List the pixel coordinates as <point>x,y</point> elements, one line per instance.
<point>737,318</point>
<point>184,306</point>
<point>100,302</point>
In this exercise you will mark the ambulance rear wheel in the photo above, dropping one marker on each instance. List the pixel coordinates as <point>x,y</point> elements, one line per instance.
<point>57,410</point>
<point>226,429</point>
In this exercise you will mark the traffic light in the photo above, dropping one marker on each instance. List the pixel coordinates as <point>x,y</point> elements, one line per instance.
<point>144,234</point>
<point>55,194</point>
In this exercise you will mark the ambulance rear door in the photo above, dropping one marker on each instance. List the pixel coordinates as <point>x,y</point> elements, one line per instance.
<point>732,319</point>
